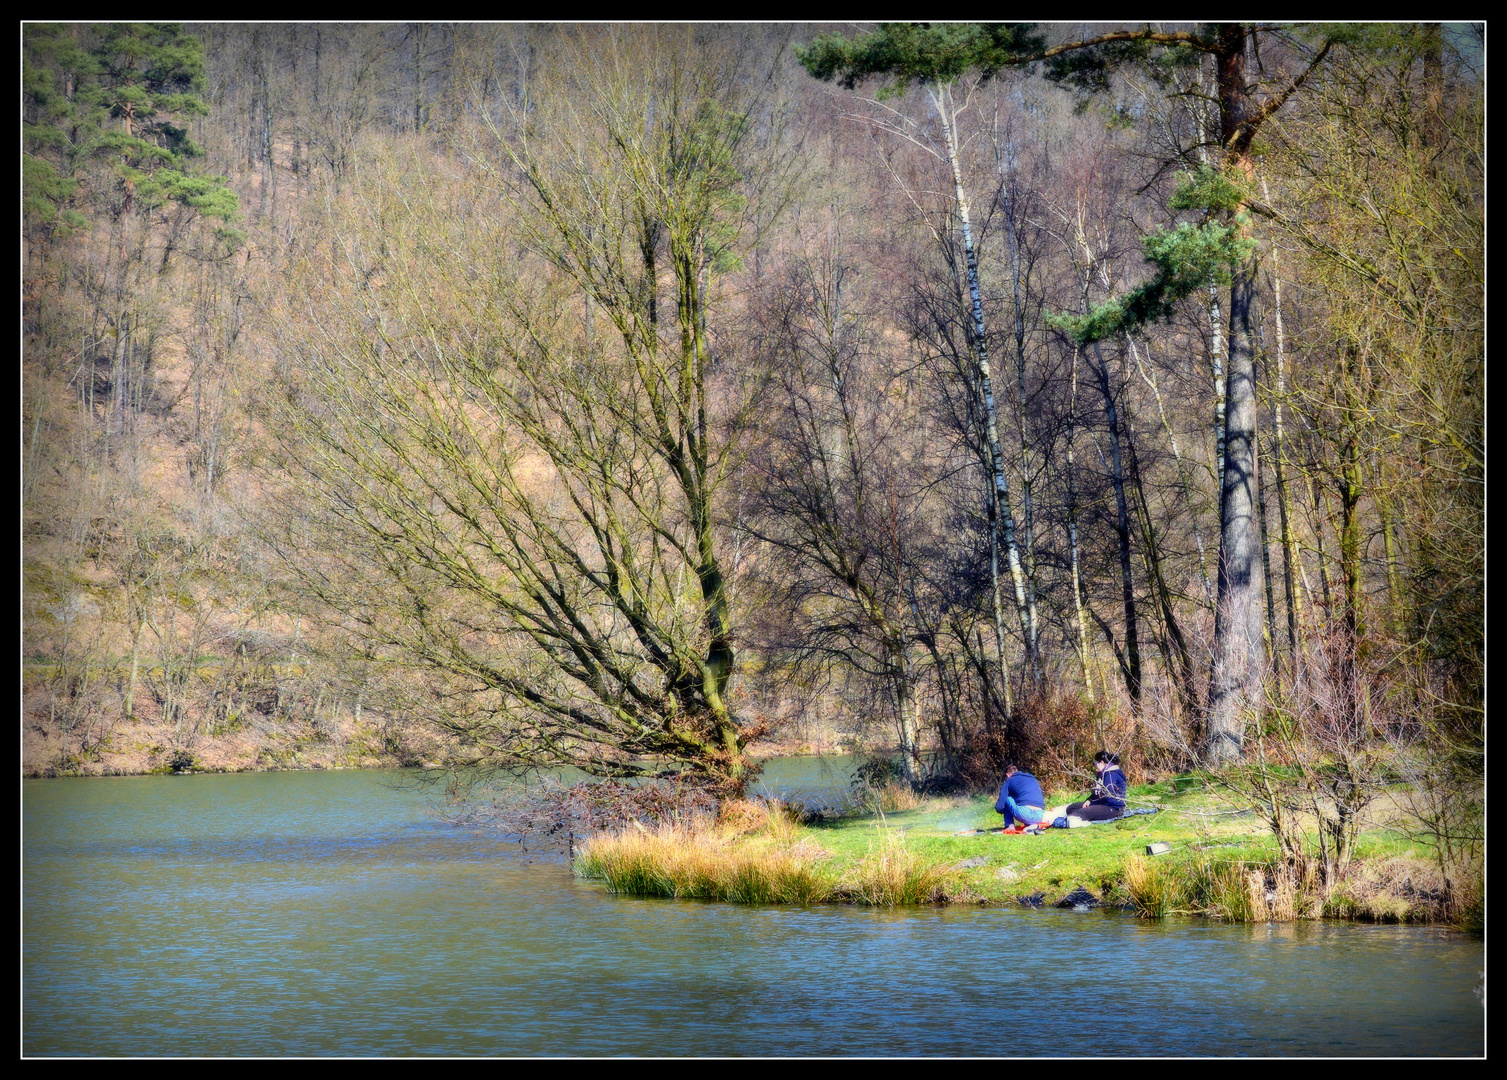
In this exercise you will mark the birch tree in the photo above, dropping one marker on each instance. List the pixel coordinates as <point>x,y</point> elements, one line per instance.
<point>935,57</point>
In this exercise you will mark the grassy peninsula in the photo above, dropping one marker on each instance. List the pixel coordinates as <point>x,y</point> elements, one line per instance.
<point>1222,862</point>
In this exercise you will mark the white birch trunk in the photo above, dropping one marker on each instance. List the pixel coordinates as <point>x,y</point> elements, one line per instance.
<point>941,99</point>
<point>1033,651</point>
<point>1072,533</point>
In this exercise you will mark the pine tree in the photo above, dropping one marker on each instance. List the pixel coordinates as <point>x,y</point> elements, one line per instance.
<point>1239,652</point>
<point>104,124</point>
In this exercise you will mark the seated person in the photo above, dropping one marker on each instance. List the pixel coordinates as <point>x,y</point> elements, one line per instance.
<point>1108,799</point>
<point>1020,798</point>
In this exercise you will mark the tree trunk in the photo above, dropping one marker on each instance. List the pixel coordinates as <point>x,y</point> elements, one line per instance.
<point>130,702</point>
<point>939,665</point>
<point>1132,664</point>
<point>1033,648</point>
<point>1352,482</point>
<point>1235,679</point>
<point>1266,570</point>
<point>941,98</point>
<point>119,378</point>
<point>1284,509</point>
<point>1395,592</point>
<point>1216,365</point>
<point>1321,514</point>
<point>420,34</point>
<point>902,671</point>
<point>1350,538</point>
<point>1072,533</point>
<point>1434,133</point>
<point>999,612</point>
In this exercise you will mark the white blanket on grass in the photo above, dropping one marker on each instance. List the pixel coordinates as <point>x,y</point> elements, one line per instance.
<point>1072,823</point>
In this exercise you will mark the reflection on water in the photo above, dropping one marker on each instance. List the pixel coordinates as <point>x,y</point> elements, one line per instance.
<point>811,781</point>
<point>326,913</point>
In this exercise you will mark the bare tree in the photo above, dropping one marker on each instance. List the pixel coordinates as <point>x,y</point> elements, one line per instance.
<point>521,507</point>
<point>842,501</point>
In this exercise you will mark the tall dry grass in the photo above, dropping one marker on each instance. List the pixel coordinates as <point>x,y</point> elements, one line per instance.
<point>891,874</point>
<point>698,863</point>
<point>1229,889</point>
<point>1399,889</point>
<point>1150,887</point>
<point>889,797</point>
<point>753,853</point>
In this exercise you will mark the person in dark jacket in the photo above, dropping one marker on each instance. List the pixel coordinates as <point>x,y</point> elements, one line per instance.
<point>1020,798</point>
<point>1108,799</point>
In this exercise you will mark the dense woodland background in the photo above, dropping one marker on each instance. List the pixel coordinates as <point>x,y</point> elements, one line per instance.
<point>616,396</point>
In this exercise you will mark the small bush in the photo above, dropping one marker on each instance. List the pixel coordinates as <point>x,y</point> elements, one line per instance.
<point>879,786</point>
<point>548,812</point>
<point>1050,734</point>
<point>1397,890</point>
<point>746,817</point>
<point>877,771</point>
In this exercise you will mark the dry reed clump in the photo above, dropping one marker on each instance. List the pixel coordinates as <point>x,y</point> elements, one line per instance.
<point>775,820</point>
<point>1048,734</point>
<point>1149,887</point>
<point>1397,889</point>
<point>1239,891</point>
<point>893,874</point>
<point>753,855</point>
<point>890,797</point>
<point>1228,889</point>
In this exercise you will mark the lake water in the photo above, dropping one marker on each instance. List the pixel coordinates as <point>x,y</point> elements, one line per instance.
<point>327,913</point>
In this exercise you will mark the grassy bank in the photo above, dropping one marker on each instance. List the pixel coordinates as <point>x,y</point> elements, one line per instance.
<point>1221,862</point>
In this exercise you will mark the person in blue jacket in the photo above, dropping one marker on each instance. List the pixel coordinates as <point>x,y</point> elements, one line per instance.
<point>1108,798</point>
<point>1020,798</point>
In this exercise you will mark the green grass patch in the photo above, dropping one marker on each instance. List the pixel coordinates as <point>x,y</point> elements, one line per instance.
<point>1222,863</point>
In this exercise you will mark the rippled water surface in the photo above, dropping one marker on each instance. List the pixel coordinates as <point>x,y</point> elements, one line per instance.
<point>328,914</point>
